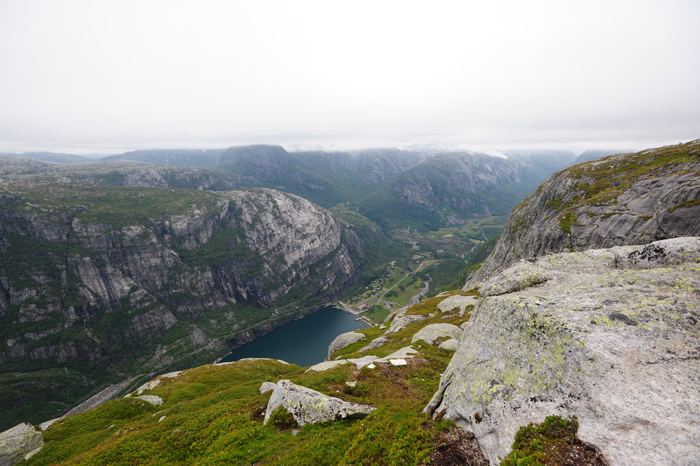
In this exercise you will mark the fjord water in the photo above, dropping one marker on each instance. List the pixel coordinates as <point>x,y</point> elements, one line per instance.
<point>303,342</point>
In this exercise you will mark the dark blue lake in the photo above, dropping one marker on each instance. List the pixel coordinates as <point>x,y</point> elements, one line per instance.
<point>303,342</point>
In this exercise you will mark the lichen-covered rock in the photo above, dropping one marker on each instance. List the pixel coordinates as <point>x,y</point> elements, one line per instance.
<point>343,340</point>
<point>449,345</point>
<point>359,363</point>
<point>404,353</point>
<point>267,386</point>
<point>624,199</point>
<point>611,338</point>
<point>432,332</point>
<point>518,276</point>
<point>153,399</point>
<point>150,385</point>
<point>379,341</point>
<point>17,442</point>
<point>456,302</point>
<point>401,322</point>
<point>311,407</point>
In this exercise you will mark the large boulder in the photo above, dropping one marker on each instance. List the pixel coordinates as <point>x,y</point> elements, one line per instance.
<point>612,337</point>
<point>17,442</point>
<point>343,340</point>
<point>311,407</point>
<point>432,332</point>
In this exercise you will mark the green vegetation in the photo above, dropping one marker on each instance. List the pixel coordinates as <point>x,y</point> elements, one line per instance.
<point>604,180</point>
<point>549,443</point>
<point>565,222</point>
<point>377,313</point>
<point>213,415</point>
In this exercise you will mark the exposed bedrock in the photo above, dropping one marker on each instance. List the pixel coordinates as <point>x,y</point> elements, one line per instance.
<point>611,336</point>
<point>624,199</point>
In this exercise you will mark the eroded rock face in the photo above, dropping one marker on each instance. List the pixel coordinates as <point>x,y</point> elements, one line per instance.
<point>612,337</point>
<point>624,199</point>
<point>17,442</point>
<point>311,407</point>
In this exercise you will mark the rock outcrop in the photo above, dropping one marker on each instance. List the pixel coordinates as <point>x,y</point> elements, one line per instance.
<point>611,336</point>
<point>311,407</point>
<point>152,399</point>
<point>453,303</point>
<point>343,340</point>
<point>624,199</point>
<point>18,442</point>
<point>432,332</point>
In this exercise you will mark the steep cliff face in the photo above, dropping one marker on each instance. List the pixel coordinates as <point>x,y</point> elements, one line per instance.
<point>608,335</point>
<point>104,279</point>
<point>623,199</point>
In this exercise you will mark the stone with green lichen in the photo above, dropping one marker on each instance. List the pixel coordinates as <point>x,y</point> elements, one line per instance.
<point>17,442</point>
<point>612,337</point>
<point>432,332</point>
<point>311,407</point>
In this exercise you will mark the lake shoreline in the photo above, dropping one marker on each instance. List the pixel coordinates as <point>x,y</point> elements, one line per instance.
<point>302,341</point>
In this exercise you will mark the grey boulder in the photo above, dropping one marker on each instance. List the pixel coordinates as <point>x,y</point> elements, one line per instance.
<point>432,332</point>
<point>449,345</point>
<point>153,399</point>
<point>311,407</point>
<point>343,340</point>
<point>401,322</point>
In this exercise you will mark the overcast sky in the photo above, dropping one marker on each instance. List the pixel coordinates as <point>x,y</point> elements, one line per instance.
<point>110,76</point>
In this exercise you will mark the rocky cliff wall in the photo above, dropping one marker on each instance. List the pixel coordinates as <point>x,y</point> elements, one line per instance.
<point>611,336</point>
<point>624,199</point>
<point>85,267</point>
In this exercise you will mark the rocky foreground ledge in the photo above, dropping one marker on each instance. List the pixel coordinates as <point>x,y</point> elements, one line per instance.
<point>611,336</point>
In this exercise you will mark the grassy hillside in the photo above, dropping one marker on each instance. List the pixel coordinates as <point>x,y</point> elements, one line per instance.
<point>214,415</point>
